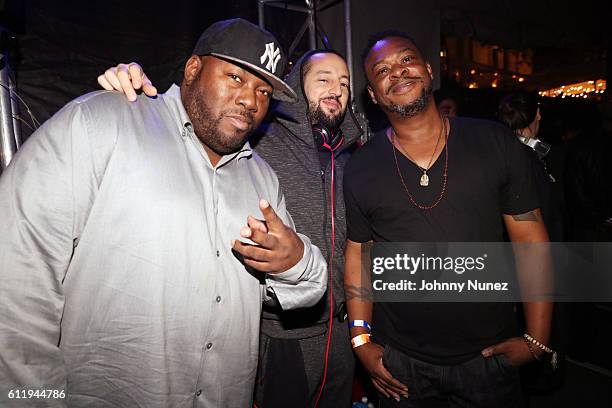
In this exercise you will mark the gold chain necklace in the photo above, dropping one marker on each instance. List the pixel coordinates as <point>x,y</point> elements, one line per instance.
<point>424,181</point>
<point>444,177</point>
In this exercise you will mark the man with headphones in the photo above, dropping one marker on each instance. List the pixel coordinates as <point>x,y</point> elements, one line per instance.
<point>305,357</point>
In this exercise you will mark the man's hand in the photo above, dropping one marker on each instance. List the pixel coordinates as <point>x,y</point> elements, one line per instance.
<point>515,349</point>
<point>370,355</point>
<point>127,79</point>
<point>278,247</point>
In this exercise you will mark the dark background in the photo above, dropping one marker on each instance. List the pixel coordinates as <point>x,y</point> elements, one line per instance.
<point>57,48</point>
<point>60,47</point>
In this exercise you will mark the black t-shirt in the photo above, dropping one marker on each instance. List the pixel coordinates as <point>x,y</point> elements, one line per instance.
<point>489,174</point>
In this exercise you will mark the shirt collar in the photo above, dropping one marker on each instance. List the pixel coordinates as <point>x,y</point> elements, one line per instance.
<point>245,151</point>
<point>172,98</point>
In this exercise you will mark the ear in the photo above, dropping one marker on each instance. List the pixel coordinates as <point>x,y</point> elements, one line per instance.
<point>372,96</point>
<point>192,68</point>
<point>429,70</point>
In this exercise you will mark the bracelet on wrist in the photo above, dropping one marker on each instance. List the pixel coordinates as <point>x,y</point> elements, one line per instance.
<point>530,340</point>
<point>531,350</point>
<point>360,323</point>
<point>360,340</point>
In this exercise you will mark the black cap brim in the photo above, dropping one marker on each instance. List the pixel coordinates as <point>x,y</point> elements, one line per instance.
<point>281,90</point>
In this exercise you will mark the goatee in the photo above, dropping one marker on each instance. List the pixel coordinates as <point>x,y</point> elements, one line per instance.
<point>318,117</point>
<point>413,108</point>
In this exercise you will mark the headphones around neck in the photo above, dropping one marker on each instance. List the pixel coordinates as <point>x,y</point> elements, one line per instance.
<point>327,139</point>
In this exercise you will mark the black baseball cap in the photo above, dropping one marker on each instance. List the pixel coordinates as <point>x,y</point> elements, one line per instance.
<point>251,47</point>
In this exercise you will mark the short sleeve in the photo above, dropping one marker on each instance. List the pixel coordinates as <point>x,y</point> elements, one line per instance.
<point>519,193</point>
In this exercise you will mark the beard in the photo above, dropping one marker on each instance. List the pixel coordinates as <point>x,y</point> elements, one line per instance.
<point>319,117</point>
<point>206,126</point>
<point>413,108</point>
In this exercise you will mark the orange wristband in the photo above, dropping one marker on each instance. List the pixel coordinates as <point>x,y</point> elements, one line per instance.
<point>360,340</point>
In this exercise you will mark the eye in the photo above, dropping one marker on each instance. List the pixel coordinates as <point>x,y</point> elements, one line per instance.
<point>382,71</point>
<point>267,93</point>
<point>345,85</point>
<point>235,77</point>
<point>407,58</point>
<point>323,80</point>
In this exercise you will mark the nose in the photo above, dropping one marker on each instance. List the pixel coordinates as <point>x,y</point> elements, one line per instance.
<point>247,98</point>
<point>398,71</point>
<point>335,88</point>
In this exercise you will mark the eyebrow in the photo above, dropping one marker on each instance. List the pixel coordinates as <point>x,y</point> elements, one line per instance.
<point>380,61</point>
<point>242,71</point>
<point>323,71</point>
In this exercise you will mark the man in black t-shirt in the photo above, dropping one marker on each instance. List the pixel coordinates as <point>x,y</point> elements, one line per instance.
<point>427,179</point>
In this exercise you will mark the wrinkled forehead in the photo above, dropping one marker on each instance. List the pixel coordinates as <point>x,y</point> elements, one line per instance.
<point>388,47</point>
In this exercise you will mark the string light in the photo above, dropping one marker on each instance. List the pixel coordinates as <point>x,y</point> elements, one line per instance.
<point>581,89</point>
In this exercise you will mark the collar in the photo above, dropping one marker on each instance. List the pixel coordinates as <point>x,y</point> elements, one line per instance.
<point>173,101</point>
<point>245,151</point>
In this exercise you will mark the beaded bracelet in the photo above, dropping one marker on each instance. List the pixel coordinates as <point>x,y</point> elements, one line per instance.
<point>533,354</point>
<point>360,323</point>
<point>548,350</point>
<point>360,340</point>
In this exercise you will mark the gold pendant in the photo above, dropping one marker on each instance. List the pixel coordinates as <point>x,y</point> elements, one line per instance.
<point>424,180</point>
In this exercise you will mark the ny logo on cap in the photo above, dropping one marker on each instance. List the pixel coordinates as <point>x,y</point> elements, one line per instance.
<point>272,55</point>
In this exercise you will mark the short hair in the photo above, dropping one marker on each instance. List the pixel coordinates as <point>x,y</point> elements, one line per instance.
<point>517,110</point>
<point>381,35</point>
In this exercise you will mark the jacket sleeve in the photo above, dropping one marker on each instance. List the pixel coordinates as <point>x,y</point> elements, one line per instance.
<point>304,284</point>
<point>45,195</point>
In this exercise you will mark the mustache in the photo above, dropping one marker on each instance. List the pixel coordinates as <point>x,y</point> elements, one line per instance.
<point>333,98</point>
<point>247,115</point>
<point>402,82</point>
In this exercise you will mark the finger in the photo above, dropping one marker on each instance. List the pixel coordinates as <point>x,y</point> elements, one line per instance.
<point>274,222</point>
<point>390,393</point>
<point>136,74</point>
<point>251,252</point>
<point>148,87</point>
<point>391,382</point>
<point>125,79</point>
<point>499,348</point>
<point>257,224</point>
<point>380,388</point>
<point>104,83</point>
<point>394,386</point>
<point>261,266</point>
<point>111,76</point>
<point>263,239</point>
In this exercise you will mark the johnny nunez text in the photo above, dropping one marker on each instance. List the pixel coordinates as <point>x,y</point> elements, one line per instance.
<point>423,285</point>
